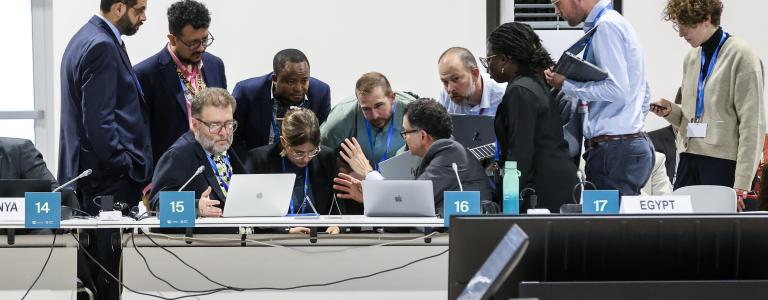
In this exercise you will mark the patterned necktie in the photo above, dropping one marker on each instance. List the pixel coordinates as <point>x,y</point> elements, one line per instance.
<point>223,172</point>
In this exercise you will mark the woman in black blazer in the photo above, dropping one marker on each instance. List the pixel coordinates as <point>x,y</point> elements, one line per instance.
<point>299,152</point>
<point>527,122</point>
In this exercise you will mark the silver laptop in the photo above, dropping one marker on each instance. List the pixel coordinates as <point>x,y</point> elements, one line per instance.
<point>400,167</point>
<point>398,198</point>
<point>259,195</point>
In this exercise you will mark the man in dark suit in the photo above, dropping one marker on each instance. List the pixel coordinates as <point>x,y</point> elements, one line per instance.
<point>206,144</point>
<point>179,70</point>
<point>103,125</point>
<point>263,101</point>
<point>19,159</point>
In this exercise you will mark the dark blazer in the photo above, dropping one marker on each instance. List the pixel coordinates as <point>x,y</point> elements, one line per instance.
<point>436,166</point>
<point>19,159</point>
<point>165,98</point>
<point>254,109</point>
<point>180,162</point>
<point>663,140</point>
<point>529,131</point>
<point>322,169</point>
<point>103,123</point>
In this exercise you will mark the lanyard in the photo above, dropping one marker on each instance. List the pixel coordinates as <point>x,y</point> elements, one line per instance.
<point>372,141</point>
<point>306,184</point>
<point>275,128</point>
<point>594,22</point>
<point>703,76</point>
<point>216,172</point>
<point>496,152</point>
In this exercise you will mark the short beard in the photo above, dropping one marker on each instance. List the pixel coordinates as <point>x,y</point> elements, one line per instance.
<point>126,27</point>
<point>210,145</point>
<point>465,98</point>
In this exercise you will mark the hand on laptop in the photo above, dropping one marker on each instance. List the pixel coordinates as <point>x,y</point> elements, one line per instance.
<point>353,154</point>
<point>332,230</point>
<point>206,207</point>
<point>352,187</point>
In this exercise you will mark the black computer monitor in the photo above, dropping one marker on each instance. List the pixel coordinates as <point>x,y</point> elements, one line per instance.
<point>473,131</point>
<point>17,187</point>
<point>495,270</point>
<point>618,248</point>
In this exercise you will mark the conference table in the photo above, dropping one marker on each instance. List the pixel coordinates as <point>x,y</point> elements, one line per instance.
<point>375,265</point>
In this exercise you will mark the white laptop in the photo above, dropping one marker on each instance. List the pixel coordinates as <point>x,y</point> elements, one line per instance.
<point>400,167</point>
<point>398,198</point>
<point>259,195</point>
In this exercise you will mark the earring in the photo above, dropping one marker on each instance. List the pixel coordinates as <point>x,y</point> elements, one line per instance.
<point>502,70</point>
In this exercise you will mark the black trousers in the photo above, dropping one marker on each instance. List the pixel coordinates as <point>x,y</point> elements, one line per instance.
<point>696,169</point>
<point>104,243</point>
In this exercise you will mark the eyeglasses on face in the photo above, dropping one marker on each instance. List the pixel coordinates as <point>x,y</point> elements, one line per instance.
<point>404,133</point>
<point>205,43</point>
<point>301,154</point>
<point>486,61</point>
<point>215,127</point>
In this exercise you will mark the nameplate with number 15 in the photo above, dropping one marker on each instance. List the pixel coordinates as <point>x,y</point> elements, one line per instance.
<point>177,209</point>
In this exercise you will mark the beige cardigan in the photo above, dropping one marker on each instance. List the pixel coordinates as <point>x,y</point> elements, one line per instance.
<point>733,108</point>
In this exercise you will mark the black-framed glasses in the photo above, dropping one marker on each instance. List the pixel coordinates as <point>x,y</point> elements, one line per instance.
<point>406,132</point>
<point>215,127</point>
<point>301,154</point>
<point>486,61</point>
<point>205,43</point>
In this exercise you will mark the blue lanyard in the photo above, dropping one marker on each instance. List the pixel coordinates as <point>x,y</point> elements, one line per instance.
<point>216,171</point>
<point>703,76</point>
<point>594,23</point>
<point>306,186</point>
<point>496,152</point>
<point>275,128</point>
<point>372,141</point>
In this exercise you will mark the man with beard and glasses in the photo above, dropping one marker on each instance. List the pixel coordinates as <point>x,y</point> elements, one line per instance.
<point>103,124</point>
<point>466,90</point>
<point>178,71</point>
<point>206,144</point>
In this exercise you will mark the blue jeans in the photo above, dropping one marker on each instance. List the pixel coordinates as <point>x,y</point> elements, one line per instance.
<point>623,165</point>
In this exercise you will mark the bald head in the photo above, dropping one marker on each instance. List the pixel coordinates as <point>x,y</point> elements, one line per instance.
<point>460,75</point>
<point>458,55</point>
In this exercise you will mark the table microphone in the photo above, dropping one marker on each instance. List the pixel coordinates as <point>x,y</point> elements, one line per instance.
<point>456,171</point>
<point>197,172</point>
<point>84,174</point>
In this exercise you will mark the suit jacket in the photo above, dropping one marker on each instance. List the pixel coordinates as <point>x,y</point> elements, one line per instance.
<point>322,169</point>
<point>180,162</point>
<point>103,122</point>
<point>165,98</point>
<point>529,131</point>
<point>664,141</point>
<point>254,109</point>
<point>19,159</point>
<point>436,166</point>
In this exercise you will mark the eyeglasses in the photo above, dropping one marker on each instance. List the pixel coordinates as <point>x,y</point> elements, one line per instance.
<point>215,127</point>
<point>486,61</point>
<point>205,43</point>
<point>301,154</point>
<point>406,132</point>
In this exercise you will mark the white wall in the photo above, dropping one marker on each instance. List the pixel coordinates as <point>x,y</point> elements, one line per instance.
<point>664,49</point>
<point>342,38</point>
<point>400,38</point>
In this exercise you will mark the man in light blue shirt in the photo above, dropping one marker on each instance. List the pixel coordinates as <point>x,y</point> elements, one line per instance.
<point>618,153</point>
<point>465,90</point>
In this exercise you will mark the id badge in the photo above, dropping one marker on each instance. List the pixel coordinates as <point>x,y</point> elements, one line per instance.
<point>697,130</point>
